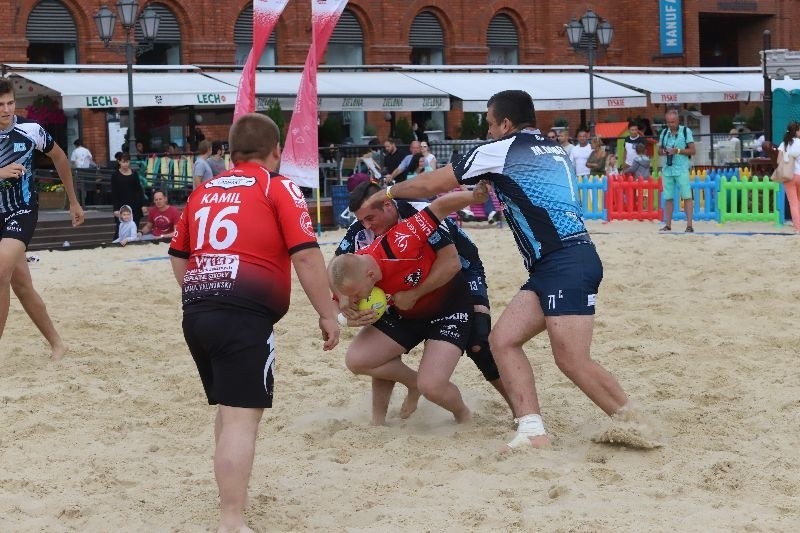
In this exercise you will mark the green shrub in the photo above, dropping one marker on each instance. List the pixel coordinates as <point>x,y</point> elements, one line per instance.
<point>403,131</point>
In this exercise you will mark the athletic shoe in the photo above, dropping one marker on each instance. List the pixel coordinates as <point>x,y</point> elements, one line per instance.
<point>689,229</point>
<point>666,228</point>
<point>493,217</point>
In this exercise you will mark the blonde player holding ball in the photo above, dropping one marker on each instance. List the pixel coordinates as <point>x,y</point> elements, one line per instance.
<point>399,262</point>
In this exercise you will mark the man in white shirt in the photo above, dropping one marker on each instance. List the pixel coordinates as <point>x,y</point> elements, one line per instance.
<point>81,156</point>
<point>631,141</point>
<point>580,153</point>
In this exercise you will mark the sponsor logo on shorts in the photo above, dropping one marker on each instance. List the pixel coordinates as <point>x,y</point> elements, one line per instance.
<point>455,317</point>
<point>450,330</point>
<point>18,213</point>
<point>228,182</point>
<point>306,225</point>
<point>590,299</point>
<point>14,226</point>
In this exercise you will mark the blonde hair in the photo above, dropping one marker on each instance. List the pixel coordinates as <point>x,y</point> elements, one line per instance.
<point>344,269</point>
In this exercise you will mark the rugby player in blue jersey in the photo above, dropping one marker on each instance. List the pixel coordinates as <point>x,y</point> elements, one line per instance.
<point>536,183</point>
<point>19,138</point>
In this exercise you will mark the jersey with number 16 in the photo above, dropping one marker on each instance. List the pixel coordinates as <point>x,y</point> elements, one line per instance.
<point>238,231</point>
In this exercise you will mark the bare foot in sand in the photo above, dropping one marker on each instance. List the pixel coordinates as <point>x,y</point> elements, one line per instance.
<point>465,415</point>
<point>538,442</point>
<point>58,350</point>
<point>410,403</point>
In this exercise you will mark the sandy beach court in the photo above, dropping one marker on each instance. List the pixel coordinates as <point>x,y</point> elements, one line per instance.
<point>700,329</point>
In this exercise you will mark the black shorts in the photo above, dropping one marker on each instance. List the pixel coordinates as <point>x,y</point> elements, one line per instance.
<point>567,280</point>
<point>19,224</point>
<point>453,327</point>
<point>234,351</point>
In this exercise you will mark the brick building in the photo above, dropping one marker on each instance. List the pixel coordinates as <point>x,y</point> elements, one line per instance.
<point>715,33</point>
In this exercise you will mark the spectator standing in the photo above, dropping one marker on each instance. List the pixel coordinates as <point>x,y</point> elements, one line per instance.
<point>563,140</point>
<point>791,147</point>
<point>640,166</point>
<point>217,158</point>
<point>162,219</point>
<point>235,290</point>
<point>126,189</point>
<point>677,145</point>
<point>81,156</point>
<point>580,154</point>
<point>633,139</point>
<point>201,170</point>
<point>596,163</point>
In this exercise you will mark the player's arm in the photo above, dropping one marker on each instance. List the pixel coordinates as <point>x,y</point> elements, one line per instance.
<point>178,268</point>
<point>64,170</point>
<point>310,267</point>
<point>446,266</point>
<point>442,179</point>
<point>453,201</point>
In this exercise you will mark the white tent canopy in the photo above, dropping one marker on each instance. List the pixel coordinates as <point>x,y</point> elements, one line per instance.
<point>550,90</point>
<point>347,91</point>
<point>105,89</point>
<point>752,83</point>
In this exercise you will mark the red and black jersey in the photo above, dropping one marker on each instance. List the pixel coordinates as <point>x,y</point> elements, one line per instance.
<point>238,231</point>
<point>405,259</point>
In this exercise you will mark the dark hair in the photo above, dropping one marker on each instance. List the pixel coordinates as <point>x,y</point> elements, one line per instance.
<point>516,106</point>
<point>6,87</point>
<point>77,142</point>
<point>118,155</point>
<point>791,133</point>
<point>414,164</point>
<point>361,194</point>
<point>216,146</point>
<point>253,136</point>
<point>632,123</point>
<point>123,157</point>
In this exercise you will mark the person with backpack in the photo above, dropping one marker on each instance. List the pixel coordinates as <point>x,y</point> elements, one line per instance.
<point>677,147</point>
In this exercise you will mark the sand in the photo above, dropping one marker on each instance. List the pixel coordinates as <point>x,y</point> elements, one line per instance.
<point>700,329</point>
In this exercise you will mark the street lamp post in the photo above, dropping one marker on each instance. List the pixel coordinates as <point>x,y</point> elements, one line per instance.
<point>148,21</point>
<point>598,33</point>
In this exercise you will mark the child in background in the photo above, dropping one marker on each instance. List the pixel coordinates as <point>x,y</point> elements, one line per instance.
<point>640,167</point>
<point>127,227</point>
<point>611,165</point>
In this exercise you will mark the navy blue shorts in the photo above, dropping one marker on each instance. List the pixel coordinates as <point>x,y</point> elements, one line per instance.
<point>567,280</point>
<point>453,327</point>
<point>234,350</point>
<point>19,224</point>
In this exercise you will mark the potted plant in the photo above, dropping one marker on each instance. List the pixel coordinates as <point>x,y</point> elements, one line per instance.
<point>369,133</point>
<point>560,124</point>
<point>52,195</point>
<point>739,121</point>
<point>433,130</point>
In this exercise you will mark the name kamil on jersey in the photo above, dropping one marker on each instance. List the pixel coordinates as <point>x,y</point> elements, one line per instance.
<point>544,150</point>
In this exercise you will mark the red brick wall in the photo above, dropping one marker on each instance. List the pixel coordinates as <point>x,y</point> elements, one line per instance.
<point>207,32</point>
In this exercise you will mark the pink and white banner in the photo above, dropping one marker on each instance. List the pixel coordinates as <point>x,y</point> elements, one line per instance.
<point>265,16</point>
<point>300,160</point>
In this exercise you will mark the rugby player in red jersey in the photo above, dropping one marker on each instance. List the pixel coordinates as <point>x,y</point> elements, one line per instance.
<point>400,260</point>
<point>231,253</point>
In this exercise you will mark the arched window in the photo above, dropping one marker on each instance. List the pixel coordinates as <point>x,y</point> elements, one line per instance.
<point>426,40</point>
<point>167,44</point>
<point>502,39</point>
<point>52,35</point>
<point>243,39</point>
<point>346,46</point>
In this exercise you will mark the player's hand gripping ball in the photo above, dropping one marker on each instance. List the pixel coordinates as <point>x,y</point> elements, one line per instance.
<point>375,301</point>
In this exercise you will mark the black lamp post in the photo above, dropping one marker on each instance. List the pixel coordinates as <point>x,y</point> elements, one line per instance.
<point>598,33</point>
<point>148,21</point>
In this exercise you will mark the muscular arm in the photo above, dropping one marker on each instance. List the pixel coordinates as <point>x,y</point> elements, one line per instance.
<point>310,268</point>
<point>443,269</point>
<point>65,174</point>
<point>178,268</point>
<point>453,201</point>
<point>442,179</point>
